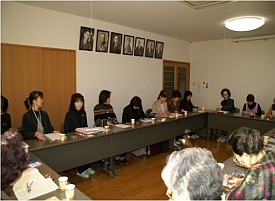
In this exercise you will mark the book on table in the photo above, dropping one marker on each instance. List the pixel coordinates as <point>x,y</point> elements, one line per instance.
<point>89,131</point>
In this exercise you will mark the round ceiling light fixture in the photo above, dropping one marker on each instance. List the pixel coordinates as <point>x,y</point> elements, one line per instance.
<point>244,23</point>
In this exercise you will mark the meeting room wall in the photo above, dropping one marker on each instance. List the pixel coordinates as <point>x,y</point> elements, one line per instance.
<point>244,67</point>
<point>125,76</point>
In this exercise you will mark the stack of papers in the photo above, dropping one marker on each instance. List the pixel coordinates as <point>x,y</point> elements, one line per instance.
<point>223,112</point>
<point>145,120</point>
<point>52,136</point>
<point>88,131</point>
<point>122,126</point>
<point>173,115</point>
<point>38,185</point>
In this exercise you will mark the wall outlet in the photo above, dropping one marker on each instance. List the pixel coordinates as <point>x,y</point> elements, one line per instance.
<point>194,84</point>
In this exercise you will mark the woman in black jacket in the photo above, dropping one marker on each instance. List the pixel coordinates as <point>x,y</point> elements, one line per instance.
<point>186,103</point>
<point>36,122</point>
<point>76,118</point>
<point>133,110</point>
<point>227,104</point>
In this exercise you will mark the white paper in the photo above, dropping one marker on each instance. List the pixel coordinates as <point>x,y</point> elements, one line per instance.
<point>271,139</point>
<point>173,115</point>
<point>52,136</point>
<point>146,120</point>
<point>39,186</point>
<point>122,126</point>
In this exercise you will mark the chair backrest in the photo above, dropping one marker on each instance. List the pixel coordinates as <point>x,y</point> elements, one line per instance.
<point>62,127</point>
<point>20,130</point>
<point>148,112</point>
<point>263,112</point>
<point>237,110</point>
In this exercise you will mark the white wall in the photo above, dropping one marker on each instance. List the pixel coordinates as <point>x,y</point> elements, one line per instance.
<point>125,76</point>
<point>244,67</point>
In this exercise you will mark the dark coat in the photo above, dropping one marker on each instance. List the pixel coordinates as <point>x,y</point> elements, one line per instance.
<point>30,124</point>
<point>130,113</point>
<point>71,122</point>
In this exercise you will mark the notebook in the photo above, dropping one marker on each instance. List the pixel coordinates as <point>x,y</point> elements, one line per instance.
<point>52,136</point>
<point>88,131</point>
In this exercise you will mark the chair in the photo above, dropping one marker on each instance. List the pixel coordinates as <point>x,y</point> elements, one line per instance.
<point>263,112</point>
<point>20,130</point>
<point>237,110</point>
<point>148,112</point>
<point>62,127</point>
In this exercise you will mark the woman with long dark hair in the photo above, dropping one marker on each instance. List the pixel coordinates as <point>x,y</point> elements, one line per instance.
<point>76,118</point>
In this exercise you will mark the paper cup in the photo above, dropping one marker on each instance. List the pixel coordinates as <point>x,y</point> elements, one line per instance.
<point>106,129</point>
<point>266,139</point>
<point>70,191</point>
<point>185,113</point>
<point>132,121</point>
<point>202,108</point>
<point>177,115</point>
<point>62,137</point>
<point>153,120</point>
<point>262,116</point>
<point>62,183</point>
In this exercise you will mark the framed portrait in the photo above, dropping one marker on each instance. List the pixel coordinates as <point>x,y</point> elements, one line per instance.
<point>116,43</point>
<point>150,47</point>
<point>139,47</point>
<point>128,45</point>
<point>86,39</point>
<point>159,50</point>
<point>102,40</point>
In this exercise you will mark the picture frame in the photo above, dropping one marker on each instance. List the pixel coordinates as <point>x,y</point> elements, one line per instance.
<point>139,46</point>
<point>115,43</point>
<point>86,38</point>
<point>102,41</point>
<point>159,50</point>
<point>128,45</point>
<point>150,48</point>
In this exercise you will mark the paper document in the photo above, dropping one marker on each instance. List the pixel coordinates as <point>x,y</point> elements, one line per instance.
<point>32,184</point>
<point>122,126</point>
<point>88,131</point>
<point>173,115</point>
<point>145,120</point>
<point>52,136</point>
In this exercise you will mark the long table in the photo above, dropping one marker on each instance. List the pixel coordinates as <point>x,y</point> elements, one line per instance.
<point>75,152</point>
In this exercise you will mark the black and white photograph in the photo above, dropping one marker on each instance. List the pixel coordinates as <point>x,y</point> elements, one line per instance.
<point>150,46</point>
<point>86,39</point>
<point>159,50</point>
<point>116,42</point>
<point>128,44</point>
<point>102,39</point>
<point>139,46</point>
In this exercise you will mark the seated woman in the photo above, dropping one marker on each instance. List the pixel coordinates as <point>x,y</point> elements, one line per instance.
<point>14,161</point>
<point>5,117</point>
<point>251,106</point>
<point>186,103</point>
<point>226,105</point>
<point>76,118</point>
<point>271,112</point>
<point>174,102</point>
<point>259,180</point>
<point>104,115</point>
<point>193,174</point>
<point>134,111</point>
<point>159,107</point>
<point>36,122</point>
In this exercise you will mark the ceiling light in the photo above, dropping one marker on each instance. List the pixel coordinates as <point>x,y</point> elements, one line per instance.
<point>244,24</point>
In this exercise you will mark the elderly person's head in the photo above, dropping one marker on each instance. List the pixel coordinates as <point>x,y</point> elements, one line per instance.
<point>14,159</point>
<point>193,174</point>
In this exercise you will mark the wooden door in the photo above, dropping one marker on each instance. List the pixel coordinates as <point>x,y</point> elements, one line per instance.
<point>21,74</point>
<point>59,80</point>
<point>182,77</point>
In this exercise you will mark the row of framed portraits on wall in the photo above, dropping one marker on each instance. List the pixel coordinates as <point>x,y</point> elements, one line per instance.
<point>131,45</point>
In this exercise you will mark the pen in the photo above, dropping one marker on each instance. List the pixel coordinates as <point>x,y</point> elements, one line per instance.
<point>234,173</point>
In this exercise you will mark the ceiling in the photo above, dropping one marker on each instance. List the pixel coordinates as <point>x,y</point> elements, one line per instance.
<point>171,18</point>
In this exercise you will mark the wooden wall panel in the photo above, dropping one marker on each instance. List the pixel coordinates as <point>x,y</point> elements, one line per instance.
<point>21,74</point>
<point>59,78</point>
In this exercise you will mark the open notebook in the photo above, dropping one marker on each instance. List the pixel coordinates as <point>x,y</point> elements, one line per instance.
<point>38,185</point>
